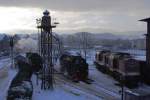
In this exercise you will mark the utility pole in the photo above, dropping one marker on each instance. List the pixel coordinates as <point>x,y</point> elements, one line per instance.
<point>84,43</point>
<point>46,27</point>
<point>11,50</point>
<point>122,87</point>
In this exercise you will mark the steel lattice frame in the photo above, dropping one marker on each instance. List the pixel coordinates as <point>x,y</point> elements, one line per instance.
<point>47,52</point>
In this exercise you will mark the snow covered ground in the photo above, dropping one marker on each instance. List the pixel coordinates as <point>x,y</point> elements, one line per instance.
<point>102,81</point>
<point>6,76</point>
<point>61,91</point>
<point>103,84</point>
<point>4,62</point>
<point>102,87</point>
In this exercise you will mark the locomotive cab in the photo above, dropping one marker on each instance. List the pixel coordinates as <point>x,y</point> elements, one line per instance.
<point>74,66</point>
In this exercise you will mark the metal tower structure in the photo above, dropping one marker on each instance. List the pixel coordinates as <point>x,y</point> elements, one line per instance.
<point>45,48</point>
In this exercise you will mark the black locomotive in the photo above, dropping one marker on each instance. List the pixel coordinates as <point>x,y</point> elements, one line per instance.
<point>35,60</point>
<point>74,66</point>
<point>21,87</point>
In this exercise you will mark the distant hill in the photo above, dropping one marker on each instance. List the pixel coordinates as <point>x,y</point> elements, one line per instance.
<point>112,36</point>
<point>106,36</point>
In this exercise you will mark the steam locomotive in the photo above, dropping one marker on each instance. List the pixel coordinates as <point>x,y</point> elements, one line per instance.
<point>74,67</point>
<point>122,66</point>
<point>21,87</point>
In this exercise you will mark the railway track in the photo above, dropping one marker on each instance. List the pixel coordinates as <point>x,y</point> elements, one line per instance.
<point>76,90</point>
<point>93,89</point>
<point>74,85</point>
<point>109,91</point>
<point>4,57</point>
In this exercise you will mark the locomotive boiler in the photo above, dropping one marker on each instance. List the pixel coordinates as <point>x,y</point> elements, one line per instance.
<point>74,67</point>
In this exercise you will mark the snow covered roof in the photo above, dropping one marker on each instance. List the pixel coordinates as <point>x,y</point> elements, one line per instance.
<point>73,53</point>
<point>141,58</point>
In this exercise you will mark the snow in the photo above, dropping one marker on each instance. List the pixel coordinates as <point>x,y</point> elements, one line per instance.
<point>102,81</point>
<point>6,80</point>
<point>61,92</point>
<point>4,62</point>
<point>102,84</point>
<point>18,88</point>
<point>142,58</point>
<point>25,86</point>
<point>6,76</point>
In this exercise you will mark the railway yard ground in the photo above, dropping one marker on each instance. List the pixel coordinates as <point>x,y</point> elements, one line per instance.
<point>6,76</point>
<point>103,86</point>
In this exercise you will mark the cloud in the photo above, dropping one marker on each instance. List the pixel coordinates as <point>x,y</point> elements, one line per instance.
<point>94,21</point>
<point>81,5</point>
<point>76,15</point>
<point>13,18</point>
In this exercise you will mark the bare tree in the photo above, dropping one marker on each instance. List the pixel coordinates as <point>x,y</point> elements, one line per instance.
<point>85,42</point>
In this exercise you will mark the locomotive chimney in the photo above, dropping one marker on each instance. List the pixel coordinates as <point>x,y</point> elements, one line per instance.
<point>147,46</point>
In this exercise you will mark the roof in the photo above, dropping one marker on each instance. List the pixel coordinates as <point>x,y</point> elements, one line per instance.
<point>145,20</point>
<point>72,53</point>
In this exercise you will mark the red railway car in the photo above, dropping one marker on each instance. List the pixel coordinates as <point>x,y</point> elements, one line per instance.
<point>119,65</point>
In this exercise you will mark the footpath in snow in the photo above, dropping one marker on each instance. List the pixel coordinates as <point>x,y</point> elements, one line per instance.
<point>6,76</point>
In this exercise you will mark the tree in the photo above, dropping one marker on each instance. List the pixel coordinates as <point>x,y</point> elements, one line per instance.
<point>85,42</point>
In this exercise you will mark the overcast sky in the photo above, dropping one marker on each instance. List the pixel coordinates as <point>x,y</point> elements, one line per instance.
<point>115,16</point>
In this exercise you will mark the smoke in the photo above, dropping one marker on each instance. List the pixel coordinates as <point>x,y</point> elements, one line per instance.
<point>26,45</point>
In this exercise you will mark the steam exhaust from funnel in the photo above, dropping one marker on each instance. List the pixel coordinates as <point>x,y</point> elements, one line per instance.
<point>26,45</point>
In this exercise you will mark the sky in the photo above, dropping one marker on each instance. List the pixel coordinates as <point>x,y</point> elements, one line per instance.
<point>97,16</point>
